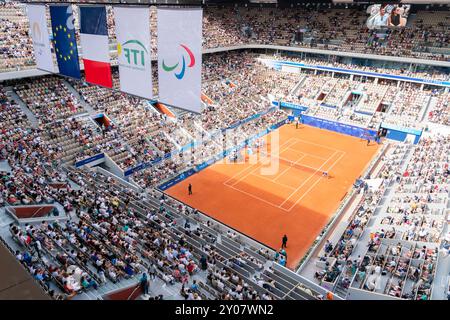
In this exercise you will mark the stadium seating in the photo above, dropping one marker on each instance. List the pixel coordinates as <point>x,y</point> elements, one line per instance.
<point>338,29</point>
<point>16,51</point>
<point>120,225</point>
<point>440,113</point>
<point>401,244</point>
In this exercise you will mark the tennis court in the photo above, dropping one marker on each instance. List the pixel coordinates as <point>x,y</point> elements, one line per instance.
<point>291,186</point>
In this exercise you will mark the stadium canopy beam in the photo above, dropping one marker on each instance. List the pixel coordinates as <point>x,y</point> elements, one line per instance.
<point>121,2</point>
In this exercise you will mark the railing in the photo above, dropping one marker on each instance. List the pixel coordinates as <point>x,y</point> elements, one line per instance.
<point>249,240</point>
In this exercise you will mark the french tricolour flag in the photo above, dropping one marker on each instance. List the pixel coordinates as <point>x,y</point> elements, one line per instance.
<point>94,43</point>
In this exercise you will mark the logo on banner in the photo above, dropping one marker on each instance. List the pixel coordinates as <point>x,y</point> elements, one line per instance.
<point>69,53</point>
<point>134,53</point>
<point>70,22</point>
<point>37,38</point>
<point>37,32</point>
<point>180,74</point>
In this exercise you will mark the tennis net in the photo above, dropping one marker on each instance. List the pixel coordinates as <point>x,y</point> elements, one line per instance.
<point>294,164</point>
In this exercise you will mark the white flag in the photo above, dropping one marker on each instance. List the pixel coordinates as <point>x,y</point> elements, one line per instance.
<point>133,50</point>
<point>180,57</point>
<point>40,36</point>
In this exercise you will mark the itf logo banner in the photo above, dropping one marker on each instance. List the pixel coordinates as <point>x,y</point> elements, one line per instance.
<point>41,37</point>
<point>133,50</point>
<point>64,40</point>
<point>180,57</point>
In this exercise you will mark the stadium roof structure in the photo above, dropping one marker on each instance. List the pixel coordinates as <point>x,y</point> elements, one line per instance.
<point>132,2</point>
<point>280,3</point>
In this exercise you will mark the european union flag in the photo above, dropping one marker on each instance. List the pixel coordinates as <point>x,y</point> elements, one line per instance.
<point>64,40</point>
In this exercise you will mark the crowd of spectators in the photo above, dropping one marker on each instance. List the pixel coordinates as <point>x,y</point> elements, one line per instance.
<point>110,239</point>
<point>338,28</point>
<point>393,69</point>
<point>335,261</point>
<point>440,113</point>
<point>115,236</point>
<point>16,51</point>
<point>236,86</point>
<point>29,157</point>
<point>402,241</point>
<point>49,98</point>
<point>206,149</point>
<point>362,100</point>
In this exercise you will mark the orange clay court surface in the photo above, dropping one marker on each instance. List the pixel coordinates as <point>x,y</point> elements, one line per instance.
<point>294,201</point>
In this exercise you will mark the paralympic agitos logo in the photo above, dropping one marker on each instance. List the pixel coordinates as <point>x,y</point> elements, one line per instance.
<point>180,74</point>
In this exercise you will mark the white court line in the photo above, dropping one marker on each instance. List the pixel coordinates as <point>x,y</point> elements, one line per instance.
<point>274,205</point>
<point>312,174</point>
<point>310,188</point>
<point>304,155</point>
<point>258,163</point>
<point>270,203</point>
<point>320,145</point>
<point>309,154</point>
<point>273,181</point>
<point>246,175</point>
<point>256,197</point>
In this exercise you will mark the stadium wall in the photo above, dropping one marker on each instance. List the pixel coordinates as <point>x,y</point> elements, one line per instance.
<point>339,127</point>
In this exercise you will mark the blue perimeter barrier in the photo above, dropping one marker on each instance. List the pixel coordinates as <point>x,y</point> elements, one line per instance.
<point>339,127</point>
<point>399,133</point>
<point>177,179</point>
<point>290,105</point>
<point>89,160</point>
<point>218,157</point>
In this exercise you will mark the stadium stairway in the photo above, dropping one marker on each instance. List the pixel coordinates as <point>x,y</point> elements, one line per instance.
<point>5,219</point>
<point>178,112</point>
<point>30,115</point>
<point>4,166</point>
<point>390,109</point>
<point>339,289</point>
<point>431,103</point>
<point>201,130</point>
<point>171,140</point>
<point>297,86</point>
<point>442,276</point>
<point>83,103</point>
<point>186,133</point>
<point>154,147</point>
